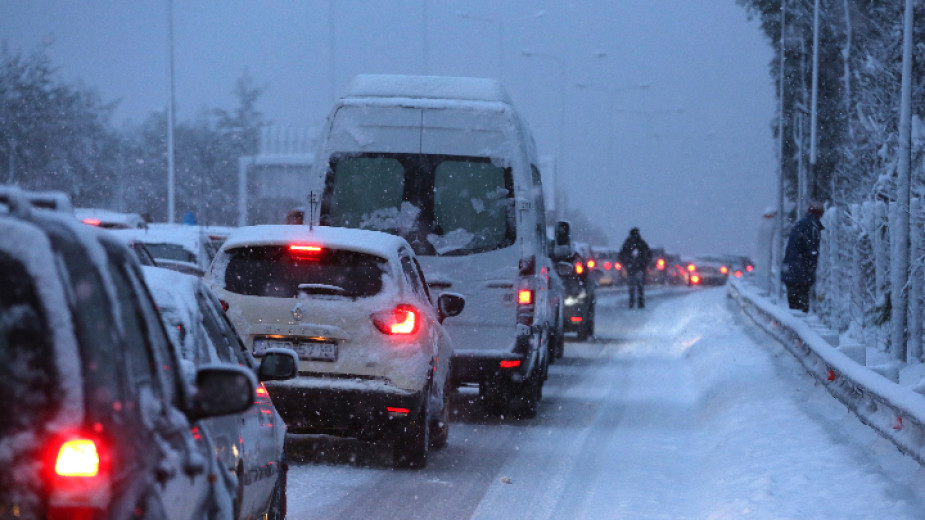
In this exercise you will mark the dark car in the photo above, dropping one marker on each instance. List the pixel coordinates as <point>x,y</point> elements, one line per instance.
<point>97,424</point>
<point>580,286</point>
<point>249,445</point>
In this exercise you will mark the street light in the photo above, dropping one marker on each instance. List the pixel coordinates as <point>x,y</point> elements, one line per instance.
<point>560,209</point>
<point>467,16</point>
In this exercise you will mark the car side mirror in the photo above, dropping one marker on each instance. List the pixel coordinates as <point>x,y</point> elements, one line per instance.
<point>563,268</point>
<point>278,364</point>
<point>222,390</point>
<point>450,304</point>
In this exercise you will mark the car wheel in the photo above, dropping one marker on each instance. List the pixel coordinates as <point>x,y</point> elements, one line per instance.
<point>410,450</point>
<point>526,397</point>
<point>440,427</point>
<point>277,509</point>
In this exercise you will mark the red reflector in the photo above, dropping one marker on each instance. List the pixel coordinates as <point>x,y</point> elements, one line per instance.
<point>512,363</point>
<point>92,221</point>
<point>78,458</point>
<point>525,297</point>
<point>224,305</point>
<point>575,319</point>
<point>394,409</point>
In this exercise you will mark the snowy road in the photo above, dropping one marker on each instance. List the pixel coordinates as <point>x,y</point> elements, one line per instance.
<point>683,410</point>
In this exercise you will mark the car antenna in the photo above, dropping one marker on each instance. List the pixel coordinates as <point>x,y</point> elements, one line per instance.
<point>311,213</point>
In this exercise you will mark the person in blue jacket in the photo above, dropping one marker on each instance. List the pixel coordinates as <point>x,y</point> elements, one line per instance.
<point>801,257</point>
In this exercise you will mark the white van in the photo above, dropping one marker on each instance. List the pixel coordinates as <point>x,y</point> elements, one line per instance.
<point>448,164</point>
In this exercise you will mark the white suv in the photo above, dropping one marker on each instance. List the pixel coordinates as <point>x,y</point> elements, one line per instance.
<point>374,356</point>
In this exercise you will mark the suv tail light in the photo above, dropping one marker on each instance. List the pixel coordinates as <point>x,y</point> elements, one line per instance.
<point>79,486</point>
<point>402,320</point>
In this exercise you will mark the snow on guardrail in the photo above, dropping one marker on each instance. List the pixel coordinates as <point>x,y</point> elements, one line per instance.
<point>894,411</point>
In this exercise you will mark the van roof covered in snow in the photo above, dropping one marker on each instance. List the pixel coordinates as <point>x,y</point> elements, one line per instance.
<point>427,87</point>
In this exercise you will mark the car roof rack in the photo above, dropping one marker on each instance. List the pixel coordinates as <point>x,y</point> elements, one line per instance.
<point>19,201</point>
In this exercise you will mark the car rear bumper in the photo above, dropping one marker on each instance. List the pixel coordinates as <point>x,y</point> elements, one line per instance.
<point>474,366</point>
<point>367,409</point>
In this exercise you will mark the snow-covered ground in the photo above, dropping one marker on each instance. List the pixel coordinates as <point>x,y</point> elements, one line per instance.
<point>683,410</point>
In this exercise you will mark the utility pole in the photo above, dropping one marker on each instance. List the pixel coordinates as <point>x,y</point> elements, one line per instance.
<point>171,205</point>
<point>899,221</point>
<point>811,177</point>
<point>780,169</point>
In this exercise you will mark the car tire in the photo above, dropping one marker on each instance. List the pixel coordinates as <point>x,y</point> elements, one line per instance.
<point>410,449</point>
<point>440,426</point>
<point>277,508</point>
<point>526,396</point>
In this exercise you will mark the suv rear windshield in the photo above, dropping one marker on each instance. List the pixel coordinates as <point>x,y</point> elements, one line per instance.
<point>28,379</point>
<point>276,271</point>
<point>441,204</point>
<point>171,252</point>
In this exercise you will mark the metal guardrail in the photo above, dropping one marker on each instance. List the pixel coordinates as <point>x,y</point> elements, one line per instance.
<point>894,411</point>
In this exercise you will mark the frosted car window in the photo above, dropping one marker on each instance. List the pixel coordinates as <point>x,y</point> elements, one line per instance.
<point>28,378</point>
<point>472,203</point>
<point>274,271</point>
<point>171,252</point>
<point>366,190</point>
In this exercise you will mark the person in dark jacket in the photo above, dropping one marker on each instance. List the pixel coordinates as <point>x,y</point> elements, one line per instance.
<point>801,257</point>
<point>635,256</point>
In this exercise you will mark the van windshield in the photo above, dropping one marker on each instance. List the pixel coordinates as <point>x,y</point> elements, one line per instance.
<point>441,204</point>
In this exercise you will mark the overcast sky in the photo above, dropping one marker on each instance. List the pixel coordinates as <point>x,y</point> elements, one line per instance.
<point>659,109</point>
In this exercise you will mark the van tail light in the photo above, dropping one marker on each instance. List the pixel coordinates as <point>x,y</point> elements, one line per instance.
<point>79,484</point>
<point>526,302</point>
<point>509,363</point>
<point>403,320</point>
<point>525,297</point>
<point>579,268</point>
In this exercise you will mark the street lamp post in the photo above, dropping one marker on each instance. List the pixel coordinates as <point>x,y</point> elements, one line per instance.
<point>171,205</point>
<point>560,160</point>
<point>500,27</point>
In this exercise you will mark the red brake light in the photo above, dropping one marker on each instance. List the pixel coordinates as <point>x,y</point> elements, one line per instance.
<point>575,319</point>
<point>510,363</point>
<point>691,267</point>
<point>738,274</point>
<point>92,221</point>
<point>304,251</point>
<point>695,279</point>
<point>607,266</point>
<point>579,268</point>
<point>660,264</point>
<point>78,458</point>
<point>525,297</point>
<point>617,266</point>
<point>724,270</point>
<point>395,409</point>
<point>403,320</point>
<point>591,263</point>
<point>749,268</point>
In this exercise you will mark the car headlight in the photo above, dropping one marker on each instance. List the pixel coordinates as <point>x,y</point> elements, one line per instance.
<point>575,300</point>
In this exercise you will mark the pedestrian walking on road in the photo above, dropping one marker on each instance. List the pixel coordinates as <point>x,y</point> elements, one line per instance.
<point>635,256</point>
<point>801,257</point>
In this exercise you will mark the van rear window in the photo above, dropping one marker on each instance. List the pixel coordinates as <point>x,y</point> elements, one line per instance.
<point>275,271</point>
<point>442,205</point>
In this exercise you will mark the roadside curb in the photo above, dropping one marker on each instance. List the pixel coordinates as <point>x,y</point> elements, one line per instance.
<point>892,410</point>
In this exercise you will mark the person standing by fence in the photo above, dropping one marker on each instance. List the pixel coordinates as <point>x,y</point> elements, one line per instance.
<point>801,257</point>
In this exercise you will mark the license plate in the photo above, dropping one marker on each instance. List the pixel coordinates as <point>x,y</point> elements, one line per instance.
<point>317,351</point>
<point>261,345</point>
